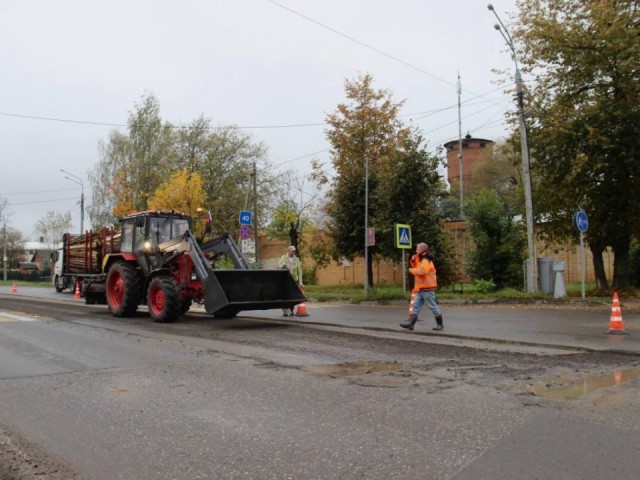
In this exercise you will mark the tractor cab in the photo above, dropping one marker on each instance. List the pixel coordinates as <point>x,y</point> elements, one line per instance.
<point>143,232</point>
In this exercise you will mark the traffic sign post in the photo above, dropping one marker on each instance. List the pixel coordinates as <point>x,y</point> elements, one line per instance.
<point>581,222</point>
<point>245,232</point>
<point>246,217</point>
<point>403,241</point>
<point>403,236</point>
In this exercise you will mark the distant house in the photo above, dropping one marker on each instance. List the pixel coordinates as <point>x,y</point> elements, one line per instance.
<point>39,253</point>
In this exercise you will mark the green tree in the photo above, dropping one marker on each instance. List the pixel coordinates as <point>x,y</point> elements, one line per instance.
<point>585,119</point>
<point>499,240</point>
<point>112,182</point>
<point>133,166</point>
<point>225,158</point>
<point>404,185</point>
<point>365,130</point>
<point>408,191</point>
<point>150,141</point>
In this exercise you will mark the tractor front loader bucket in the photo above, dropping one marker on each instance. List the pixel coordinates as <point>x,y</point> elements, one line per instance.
<point>228,292</point>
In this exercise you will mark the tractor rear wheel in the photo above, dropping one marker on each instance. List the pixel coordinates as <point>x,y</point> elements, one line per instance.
<point>123,289</point>
<point>164,299</point>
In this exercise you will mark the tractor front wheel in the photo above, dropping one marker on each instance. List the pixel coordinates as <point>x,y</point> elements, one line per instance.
<point>164,299</point>
<point>123,289</point>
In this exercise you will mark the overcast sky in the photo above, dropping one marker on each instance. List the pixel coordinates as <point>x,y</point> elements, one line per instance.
<point>66,67</point>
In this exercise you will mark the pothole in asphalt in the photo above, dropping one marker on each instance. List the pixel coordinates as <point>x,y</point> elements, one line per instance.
<point>366,373</point>
<point>353,369</point>
<point>562,388</point>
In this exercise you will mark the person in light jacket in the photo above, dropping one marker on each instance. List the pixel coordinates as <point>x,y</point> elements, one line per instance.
<point>291,262</point>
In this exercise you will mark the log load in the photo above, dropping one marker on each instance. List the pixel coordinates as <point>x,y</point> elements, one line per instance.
<point>84,253</point>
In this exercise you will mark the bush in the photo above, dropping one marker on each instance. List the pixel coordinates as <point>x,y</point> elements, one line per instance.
<point>484,286</point>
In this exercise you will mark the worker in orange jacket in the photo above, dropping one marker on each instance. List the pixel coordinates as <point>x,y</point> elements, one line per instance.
<point>424,287</point>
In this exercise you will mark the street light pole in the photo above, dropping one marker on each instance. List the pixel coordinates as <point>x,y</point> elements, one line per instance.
<point>78,181</point>
<point>366,225</point>
<point>524,149</point>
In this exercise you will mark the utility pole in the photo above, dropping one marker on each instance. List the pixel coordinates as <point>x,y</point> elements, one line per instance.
<point>460,163</point>
<point>255,210</point>
<point>4,250</point>
<point>78,181</point>
<point>532,284</point>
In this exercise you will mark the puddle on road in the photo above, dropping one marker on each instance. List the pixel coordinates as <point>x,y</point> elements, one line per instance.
<point>353,369</point>
<point>577,388</point>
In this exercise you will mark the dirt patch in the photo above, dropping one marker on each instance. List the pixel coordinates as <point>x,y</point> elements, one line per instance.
<point>20,460</point>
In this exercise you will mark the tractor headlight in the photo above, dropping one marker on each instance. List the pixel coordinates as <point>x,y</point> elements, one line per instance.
<point>147,246</point>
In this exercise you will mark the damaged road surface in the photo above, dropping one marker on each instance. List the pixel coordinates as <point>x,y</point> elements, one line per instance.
<point>88,396</point>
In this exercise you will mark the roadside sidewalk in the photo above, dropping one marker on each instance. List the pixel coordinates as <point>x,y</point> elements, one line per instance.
<point>584,327</point>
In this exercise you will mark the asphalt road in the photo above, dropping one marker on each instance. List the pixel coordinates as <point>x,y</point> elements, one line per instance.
<point>85,395</point>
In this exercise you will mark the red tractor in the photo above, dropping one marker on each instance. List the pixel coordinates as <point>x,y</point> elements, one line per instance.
<point>156,261</point>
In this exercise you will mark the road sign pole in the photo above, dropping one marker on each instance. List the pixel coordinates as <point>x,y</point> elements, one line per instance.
<point>582,261</point>
<point>581,221</point>
<point>404,274</point>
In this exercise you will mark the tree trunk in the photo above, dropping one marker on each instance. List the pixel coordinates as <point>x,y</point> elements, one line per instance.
<point>621,266</point>
<point>598,268</point>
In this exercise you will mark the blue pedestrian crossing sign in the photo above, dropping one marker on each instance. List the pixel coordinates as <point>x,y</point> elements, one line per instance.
<point>403,236</point>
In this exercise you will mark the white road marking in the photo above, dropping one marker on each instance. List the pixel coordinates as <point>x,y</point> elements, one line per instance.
<point>15,317</point>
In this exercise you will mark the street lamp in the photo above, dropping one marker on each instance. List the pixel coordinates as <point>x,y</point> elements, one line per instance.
<point>78,181</point>
<point>524,148</point>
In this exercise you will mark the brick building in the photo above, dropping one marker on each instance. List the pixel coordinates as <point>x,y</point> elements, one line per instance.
<point>474,150</point>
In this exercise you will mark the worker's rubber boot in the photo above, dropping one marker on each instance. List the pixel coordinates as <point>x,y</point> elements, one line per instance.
<point>439,325</point>
<point>409,322</point>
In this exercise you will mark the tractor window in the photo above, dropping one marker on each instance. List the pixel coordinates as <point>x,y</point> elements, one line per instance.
<point>139,238</point>
<point>126,241</point>
<point>159,230</point>
<point>180,225</point>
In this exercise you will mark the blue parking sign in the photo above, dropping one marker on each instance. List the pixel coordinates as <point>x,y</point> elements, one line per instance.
<point>403,236</point>
<point>245,217</point>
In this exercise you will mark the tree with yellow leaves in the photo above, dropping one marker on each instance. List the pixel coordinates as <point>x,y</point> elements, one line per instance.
<point>183,191</point>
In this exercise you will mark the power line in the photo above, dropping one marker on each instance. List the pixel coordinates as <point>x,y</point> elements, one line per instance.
<point>355,40</point>
<point>124,125</point>
<point>40,191</point>
<point>301,157</point>
<point>41,201</point>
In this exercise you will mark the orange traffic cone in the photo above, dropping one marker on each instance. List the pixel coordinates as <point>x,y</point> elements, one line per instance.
<point>77,294</point>
<point>301,311</point>
<point>616,326</point>
<point>617,377</point>
<point>14,289</point>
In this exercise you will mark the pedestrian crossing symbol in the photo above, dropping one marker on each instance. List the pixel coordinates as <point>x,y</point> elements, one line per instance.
<point>403,236</point>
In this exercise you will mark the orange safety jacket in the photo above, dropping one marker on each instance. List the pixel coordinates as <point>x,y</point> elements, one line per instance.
<point>424,272</point>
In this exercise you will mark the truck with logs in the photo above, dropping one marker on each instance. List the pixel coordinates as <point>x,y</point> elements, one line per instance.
<point>153,259</point>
